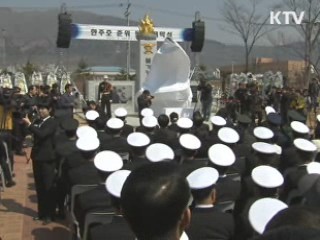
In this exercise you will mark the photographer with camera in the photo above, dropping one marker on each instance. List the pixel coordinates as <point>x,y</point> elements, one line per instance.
<point>144,101</point>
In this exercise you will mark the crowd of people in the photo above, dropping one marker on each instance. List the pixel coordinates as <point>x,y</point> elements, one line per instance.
<point>174,177</point>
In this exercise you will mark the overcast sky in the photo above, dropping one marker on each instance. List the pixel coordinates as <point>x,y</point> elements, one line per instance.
<point>165,13</point>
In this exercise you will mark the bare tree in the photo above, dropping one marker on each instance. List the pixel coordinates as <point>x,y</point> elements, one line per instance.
<point>309,32</point>
<point>245,21</point>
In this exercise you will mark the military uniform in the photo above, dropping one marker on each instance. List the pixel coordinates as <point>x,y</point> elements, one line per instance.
<point>210,223</point>
<point>116,230</point>
<point>94,200</point>
<point>227,189</point>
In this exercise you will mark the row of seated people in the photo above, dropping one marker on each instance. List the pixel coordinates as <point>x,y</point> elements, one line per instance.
<point>235,161</point>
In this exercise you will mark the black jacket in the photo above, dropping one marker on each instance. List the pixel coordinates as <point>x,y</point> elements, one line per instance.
<point>210,223</point>
<point>43,148</point>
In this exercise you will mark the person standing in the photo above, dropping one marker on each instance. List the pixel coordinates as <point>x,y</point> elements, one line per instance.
<point>43,160</point>
<point>144,101</point>
<point>206,98</point>
<point>65,103</point>
<point>105,96</point>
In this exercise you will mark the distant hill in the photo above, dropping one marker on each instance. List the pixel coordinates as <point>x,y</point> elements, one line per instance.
<point>32,35</point>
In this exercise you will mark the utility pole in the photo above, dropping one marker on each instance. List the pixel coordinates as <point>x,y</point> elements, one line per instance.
<point>127,14</point>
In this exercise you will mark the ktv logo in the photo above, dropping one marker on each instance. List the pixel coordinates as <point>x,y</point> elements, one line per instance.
<point>285,17</point>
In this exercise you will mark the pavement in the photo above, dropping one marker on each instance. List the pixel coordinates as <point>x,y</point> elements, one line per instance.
<point>18,206</point>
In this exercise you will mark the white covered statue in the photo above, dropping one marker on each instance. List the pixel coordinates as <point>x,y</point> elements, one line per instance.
<point>168,80</point>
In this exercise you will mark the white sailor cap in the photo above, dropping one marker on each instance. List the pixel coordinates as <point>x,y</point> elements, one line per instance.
<point>88,143</point>
<point>115,123</point>
<point>138,139</point>
<point>158,152</point>
<point>262,211</point>
<point>313,167</point>
<point>265,148</point>
<point>115,182</point>
<point>221,155</point>
<point>299,127</point>
<point>317,143</point>
<point>263,133</point>
<point>228,135</point>
<point>304,145</point>
<point>184,236</point>
<point>108,161</point>
<point>269,109</point>
<point>86,131</point>
<point>318,117</point>
<point>278,149</point>
<point>202,178</point>
<point>92,115</point>
<point>184,123</point>
<point>146,112</point>
<point>189,141</point>
<point>149,121</point>
<point>120,112</point>
<point>218,121</point>
<point>267,177</point>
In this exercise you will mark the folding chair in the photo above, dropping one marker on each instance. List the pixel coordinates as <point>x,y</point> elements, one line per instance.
<point>226,206</point>
<point>96,217</point>
<point>234,176</point>
<point>76,190</point>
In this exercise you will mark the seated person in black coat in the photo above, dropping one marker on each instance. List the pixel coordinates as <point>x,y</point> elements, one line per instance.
<point>164,134</point>
<point>264,182</point>
<point>173,122</point>
<point>63,150</point>
<point>118,228</point>
<point>98,199</point>
<point>306,151</point>
<point>149,126</point>
<point>122,113</point>
<point>207,221</point>
<point>154,200</point>
<point>86,172</point>
<point>221,158</point>
<point>138,143</point>
<point>189,147</point>
<point>113,141</point>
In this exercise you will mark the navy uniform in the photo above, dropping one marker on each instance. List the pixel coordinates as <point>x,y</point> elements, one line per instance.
<point>207,221</point>
<point>138,143</point>
<point>149,126</point>
<point>118,228</point>
<point>63,150</point>
<point>189,146</point>
<point>98,199</point>
<point>264,182</point>
<point>222,157</point>
<point>165,136</point>
<point>114,141</point>
<point>122,113</point>
<point>86,173</point>
<point>210,223</point>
